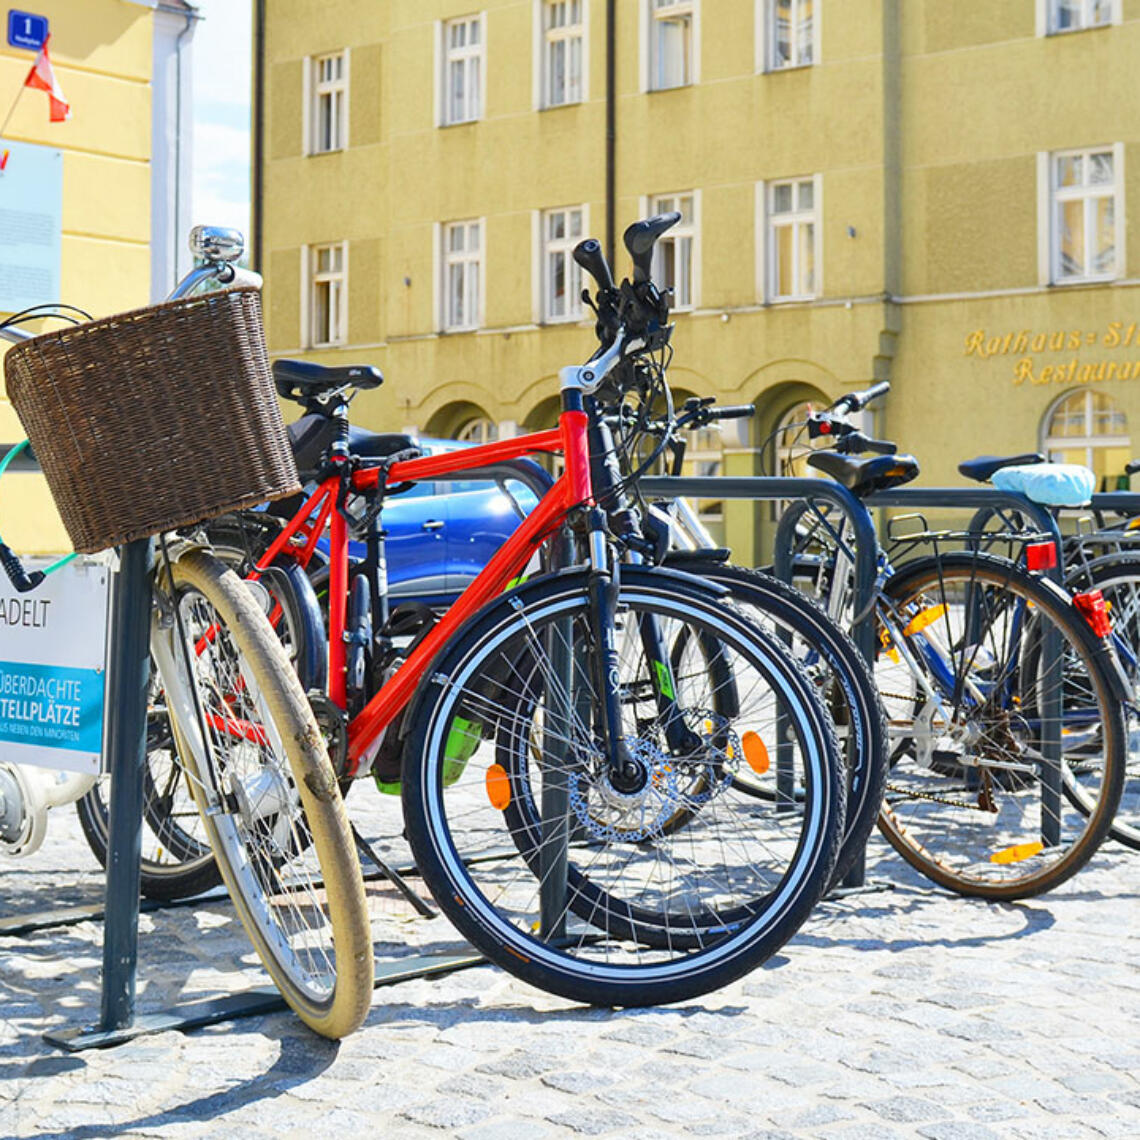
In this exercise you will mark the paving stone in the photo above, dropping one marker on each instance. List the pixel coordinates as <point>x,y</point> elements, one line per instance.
<point>906,1110</point>
<point>594,1122</point>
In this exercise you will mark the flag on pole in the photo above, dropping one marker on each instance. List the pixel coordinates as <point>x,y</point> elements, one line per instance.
<point>42,78</point>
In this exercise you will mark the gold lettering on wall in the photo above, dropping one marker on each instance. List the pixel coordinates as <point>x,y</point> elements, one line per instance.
<point>1027,344</point>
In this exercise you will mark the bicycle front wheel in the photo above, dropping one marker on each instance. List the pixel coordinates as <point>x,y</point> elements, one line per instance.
<point>995,695</point>
<point>620,895</point>
<point>269,802</point>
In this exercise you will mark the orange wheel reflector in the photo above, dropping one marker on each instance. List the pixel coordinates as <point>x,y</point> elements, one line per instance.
<point>498,787</point>
<point>755,752</point>
<point>1017,853</point>
<point>925,619</point>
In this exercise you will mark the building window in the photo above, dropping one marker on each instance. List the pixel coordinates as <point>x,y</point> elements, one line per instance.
<point>1085,207</point>
<point>463,70</point>
<point>328,295</point>
<point>704,458</point>
<point>791,28</point>
<point>672,26</point>
<point>462,267</point>
<point>563,52</point>
<point>674,256</point>
<point>1089,428</point>
<point>480,430</point>
<point>1073,15</point>
<point>793,239</point>
<point>561,276</point>
<point>328,110</point>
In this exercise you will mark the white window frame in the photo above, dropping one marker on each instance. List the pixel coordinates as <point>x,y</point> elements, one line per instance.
<point>768,247</point>
<point>691,231</point>
<point>445,56</point>
<point>311,279</point>
<point>650,15</point>
<point>543,38</point>
<point>476,262</point>
<point>1047,11</point>
<point>1050,196</point>
<point>1088,441</point>
<point>766,37</point>
<point>313,90</point>
<point>563,248</point>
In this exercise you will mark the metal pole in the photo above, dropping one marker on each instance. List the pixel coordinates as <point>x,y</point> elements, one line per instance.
<point>129,675</point>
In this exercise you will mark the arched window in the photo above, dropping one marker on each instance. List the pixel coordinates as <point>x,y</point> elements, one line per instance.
<point>1090,428</point>
<point>704,456</point>
<point>792,443</point>
<point>478,430</point>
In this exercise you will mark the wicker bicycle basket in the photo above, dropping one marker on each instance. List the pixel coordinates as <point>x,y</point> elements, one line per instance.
<point>154,419</point>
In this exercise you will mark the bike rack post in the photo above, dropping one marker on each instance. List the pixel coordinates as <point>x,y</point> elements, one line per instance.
<point>865,556</point>
<point>129,678</point>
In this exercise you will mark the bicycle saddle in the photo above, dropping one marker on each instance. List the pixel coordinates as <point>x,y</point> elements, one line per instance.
<point>312,435</point>
<point>866,475</point>
<point>302,380</point>
<point>983,467</point>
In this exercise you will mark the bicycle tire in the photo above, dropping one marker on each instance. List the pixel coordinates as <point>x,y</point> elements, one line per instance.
<point>602,947</point>
<point>966,776</point>
<point>267,793</point>
<point>840,673</point>
<point>177,861</point>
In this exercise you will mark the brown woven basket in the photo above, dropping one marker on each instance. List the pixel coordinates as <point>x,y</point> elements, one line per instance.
<point>154,419</point>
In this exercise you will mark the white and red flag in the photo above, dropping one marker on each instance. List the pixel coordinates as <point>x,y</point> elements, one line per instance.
<point>42,78</point>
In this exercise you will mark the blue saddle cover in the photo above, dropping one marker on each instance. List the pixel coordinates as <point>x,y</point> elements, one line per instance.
<point>1051,484</point>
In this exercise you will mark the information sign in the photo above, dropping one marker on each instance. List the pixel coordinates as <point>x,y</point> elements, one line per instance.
<point>26,30</point>
<point>53,643</point>
<point>31,224</point>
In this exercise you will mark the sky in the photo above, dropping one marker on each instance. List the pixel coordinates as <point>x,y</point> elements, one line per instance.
<point>222,87</point>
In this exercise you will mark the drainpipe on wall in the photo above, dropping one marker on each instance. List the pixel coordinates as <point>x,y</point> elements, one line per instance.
<point>611,128</point>
<point>258,132</point>
<point>178,238</point>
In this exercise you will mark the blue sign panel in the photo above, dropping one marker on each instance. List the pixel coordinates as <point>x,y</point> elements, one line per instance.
<point>26,30</point>
<point>51,705</point>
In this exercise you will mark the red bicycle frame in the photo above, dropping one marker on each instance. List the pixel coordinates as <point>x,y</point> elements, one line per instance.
<point>299,540</point>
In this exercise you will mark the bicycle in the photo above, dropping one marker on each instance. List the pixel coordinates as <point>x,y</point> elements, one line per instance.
<point>252,754</point>
<point>998,684</point>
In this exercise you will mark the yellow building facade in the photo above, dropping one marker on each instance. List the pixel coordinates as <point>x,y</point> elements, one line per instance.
<point>103,53</point>
<point>912,190</point>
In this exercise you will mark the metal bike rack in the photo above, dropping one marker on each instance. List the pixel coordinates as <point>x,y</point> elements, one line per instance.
<point>865,543</point>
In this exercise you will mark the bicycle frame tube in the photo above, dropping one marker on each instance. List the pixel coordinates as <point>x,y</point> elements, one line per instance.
<point>569,491</point>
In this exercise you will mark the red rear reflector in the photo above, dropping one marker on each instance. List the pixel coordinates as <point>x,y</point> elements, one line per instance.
<point>1094,611</point>
<point>1041,556</point>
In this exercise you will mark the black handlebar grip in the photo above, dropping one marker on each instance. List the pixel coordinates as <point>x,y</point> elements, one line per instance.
<point>733,412</point>
<point>19,578</point>
<point>641,237</point>
<point>1132,466</point>
<point>879,446</point>
<point>857,401</point>
<point>588,254</point>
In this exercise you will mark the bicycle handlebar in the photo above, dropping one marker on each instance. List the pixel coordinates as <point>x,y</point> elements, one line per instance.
<point>857,401</point>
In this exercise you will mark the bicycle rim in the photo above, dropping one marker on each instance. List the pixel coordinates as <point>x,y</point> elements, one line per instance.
<point>652,910</point>
<point>992,695</point>
<point>268,798</point>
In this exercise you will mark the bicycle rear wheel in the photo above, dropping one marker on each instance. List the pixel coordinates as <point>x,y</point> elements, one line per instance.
<point>994,691</point>
<point>269,802</point>
<point>603,895</point>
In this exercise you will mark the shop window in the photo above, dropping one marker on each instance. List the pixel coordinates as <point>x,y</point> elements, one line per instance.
<point>1073,15</point>
<point>1089,428</point>
<point>479,430</point>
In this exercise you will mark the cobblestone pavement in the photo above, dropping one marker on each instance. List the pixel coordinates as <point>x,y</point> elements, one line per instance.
<point>902,1013</point>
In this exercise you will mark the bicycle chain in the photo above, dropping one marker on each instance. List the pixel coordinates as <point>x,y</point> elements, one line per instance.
<point>932,798</point>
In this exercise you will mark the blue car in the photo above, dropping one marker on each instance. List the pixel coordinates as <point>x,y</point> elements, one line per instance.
<point>440,535</point>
